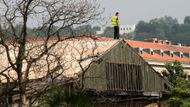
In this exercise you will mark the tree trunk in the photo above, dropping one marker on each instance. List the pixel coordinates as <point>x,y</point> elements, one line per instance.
<point>22,89</point>
<point>23,99</point>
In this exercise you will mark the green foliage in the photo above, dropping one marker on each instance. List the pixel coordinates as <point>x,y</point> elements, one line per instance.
<point>67,31</point>
<point>180,94</point>
<point>173,71</point>
<point>64,96</point>
<point>181,91</point>
<point>187,20</point>
<point>44,31</point>
<point>109,32</point>
<point>164,28</point>
<point>53,98</point>
<point>175,102</point>
<point>146,30</point>
<point>182,88</point>
<point>86,29</point>
<point>96,28</point>
<point>164,21</point>
<point>130,35</point>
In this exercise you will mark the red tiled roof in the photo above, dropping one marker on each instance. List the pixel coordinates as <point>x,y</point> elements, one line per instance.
<point>94,37</point>
<point>39,39</point>
<point>156,46</point>
<point>165,57</point>
<point>133,43</point>
<point>141,44</point>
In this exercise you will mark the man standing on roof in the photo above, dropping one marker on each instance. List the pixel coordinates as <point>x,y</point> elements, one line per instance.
<point>115,24</point>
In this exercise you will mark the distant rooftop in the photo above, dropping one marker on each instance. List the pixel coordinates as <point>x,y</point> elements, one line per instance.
<point>164,46</point>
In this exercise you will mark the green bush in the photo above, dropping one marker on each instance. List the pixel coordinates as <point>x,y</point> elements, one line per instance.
<point>64,96</point>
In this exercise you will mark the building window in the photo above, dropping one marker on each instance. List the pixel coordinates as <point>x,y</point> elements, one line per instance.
<point>162,54</point>
<point>151,52</point>
<point>121,28</point>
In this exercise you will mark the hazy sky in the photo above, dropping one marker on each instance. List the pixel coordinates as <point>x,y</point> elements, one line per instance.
<point>132,11</point>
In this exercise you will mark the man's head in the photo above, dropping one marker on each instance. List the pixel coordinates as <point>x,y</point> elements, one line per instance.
<point>117,13</point>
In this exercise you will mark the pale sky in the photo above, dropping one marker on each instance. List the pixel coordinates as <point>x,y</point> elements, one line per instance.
<point>132,11</point>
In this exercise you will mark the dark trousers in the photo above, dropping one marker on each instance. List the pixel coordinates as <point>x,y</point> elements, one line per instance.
<point>116,32</point>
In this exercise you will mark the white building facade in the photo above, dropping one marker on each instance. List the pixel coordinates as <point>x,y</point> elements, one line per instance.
<point>125,29</point>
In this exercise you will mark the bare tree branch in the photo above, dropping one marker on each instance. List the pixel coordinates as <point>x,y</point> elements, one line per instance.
<point>25,56</point>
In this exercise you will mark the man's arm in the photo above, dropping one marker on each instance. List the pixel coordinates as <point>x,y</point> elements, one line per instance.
<point>117,21</point>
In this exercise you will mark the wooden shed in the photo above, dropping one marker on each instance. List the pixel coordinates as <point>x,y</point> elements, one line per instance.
<point>121,70</point>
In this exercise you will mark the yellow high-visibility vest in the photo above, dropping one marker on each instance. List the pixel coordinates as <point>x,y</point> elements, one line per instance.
<point>115,21</point>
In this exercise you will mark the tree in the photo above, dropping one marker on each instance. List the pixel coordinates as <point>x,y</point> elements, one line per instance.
<point>67,31</point>
<point>164,21</point>
<point>180,94</point>
<point>144,27</point>
<point>144,30</point>
<point>164,28</point>
<point>130,35</point>
<point>108,32</point>
<point>156,28</point>
<point>65,96</point>
<point>21,51</point>
<point>96,28</point>
<point>86,29</point>
<point>180,33</point>
<point>86,53</point>
<point>187,20</point>
<point>173,71</point>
